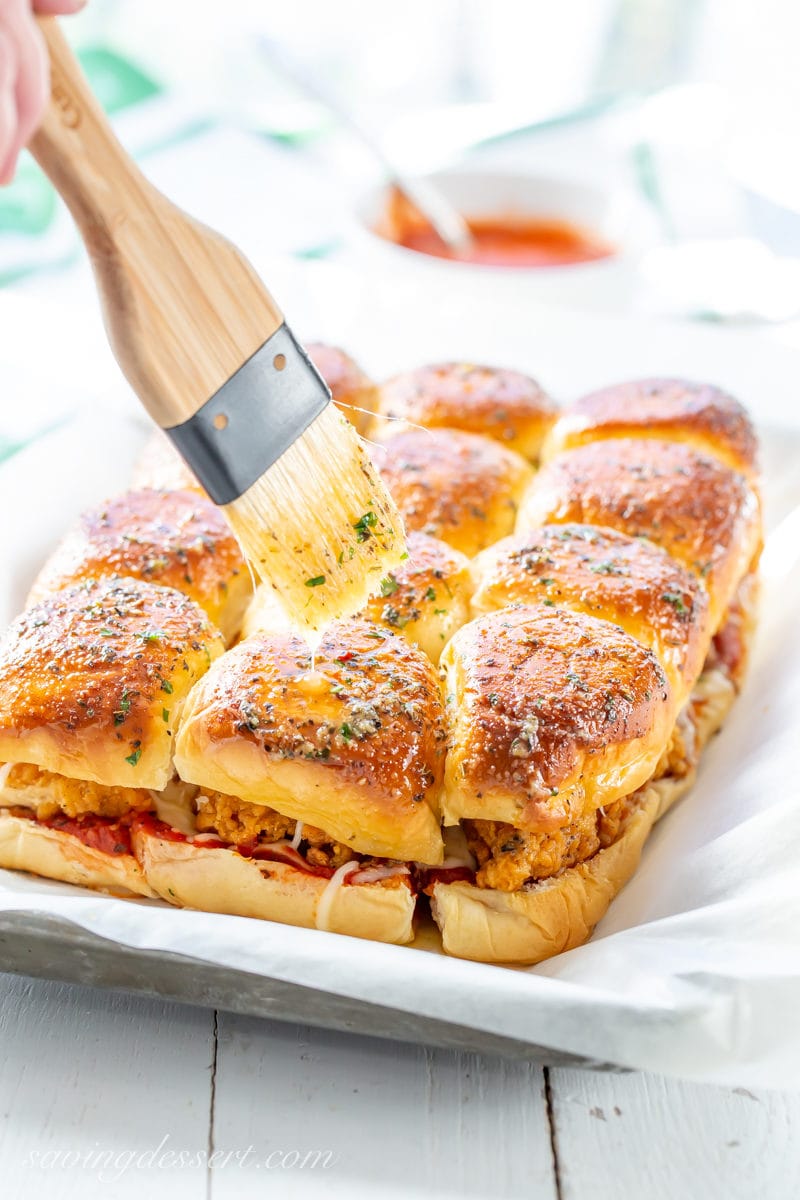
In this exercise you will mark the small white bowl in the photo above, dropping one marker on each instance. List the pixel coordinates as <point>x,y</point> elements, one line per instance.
<point>620,220</point>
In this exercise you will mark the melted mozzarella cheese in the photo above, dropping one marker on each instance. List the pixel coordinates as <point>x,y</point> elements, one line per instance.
<point>175,806</point>
<point>328,896</point>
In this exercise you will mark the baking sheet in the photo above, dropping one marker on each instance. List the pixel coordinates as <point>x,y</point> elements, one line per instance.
<point>696,969</point>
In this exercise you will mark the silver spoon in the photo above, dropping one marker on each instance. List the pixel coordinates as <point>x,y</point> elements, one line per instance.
<point>444,219</point>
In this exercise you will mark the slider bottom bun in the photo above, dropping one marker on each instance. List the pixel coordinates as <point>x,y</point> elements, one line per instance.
<point>557,914</point>
<point>223,881</point>
<point>28,845</point>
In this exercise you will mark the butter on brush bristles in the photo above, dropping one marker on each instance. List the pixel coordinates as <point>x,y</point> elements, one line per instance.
<point>319,526</point>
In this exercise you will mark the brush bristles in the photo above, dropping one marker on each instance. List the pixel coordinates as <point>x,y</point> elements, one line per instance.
<point>319,526</point>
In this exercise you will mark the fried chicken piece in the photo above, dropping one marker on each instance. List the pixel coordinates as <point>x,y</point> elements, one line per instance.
<point>322,852</point>
<point>239,822</point>
<point>509,857</point>
<point>612,820</point>
<point>73,797</point>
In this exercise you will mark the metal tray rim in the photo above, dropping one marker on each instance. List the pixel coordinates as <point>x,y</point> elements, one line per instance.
<point>47,947</point>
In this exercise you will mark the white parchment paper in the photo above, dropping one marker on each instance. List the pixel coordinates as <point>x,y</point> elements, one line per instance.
<point>696,969</point>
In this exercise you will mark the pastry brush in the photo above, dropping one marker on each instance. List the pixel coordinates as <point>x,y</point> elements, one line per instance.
<point>208,353</point>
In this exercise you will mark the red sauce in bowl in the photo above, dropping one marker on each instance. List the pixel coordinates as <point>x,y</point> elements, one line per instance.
<point>511,241</point>
<point>515,243</point>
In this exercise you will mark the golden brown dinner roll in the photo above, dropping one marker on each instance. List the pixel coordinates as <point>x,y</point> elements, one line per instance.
<point>274,883</point>
<point>353,391</point>
<point>177,539</point>
<point>556,914</point>
<point>504,405</point>
<point>603,573</point>
<point>703,513</point>
<point>697,414</point>
<point>551,714</point>
<point>160,466</point>
<point>93,679</point>
<point>426,599</point>
<point>456,486</point>
<point>354,747</point>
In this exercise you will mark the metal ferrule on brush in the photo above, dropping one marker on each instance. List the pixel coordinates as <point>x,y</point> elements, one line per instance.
<point>253,419</point>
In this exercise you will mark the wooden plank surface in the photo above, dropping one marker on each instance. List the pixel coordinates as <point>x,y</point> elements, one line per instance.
<point>620,1136</point>
<point>399,1120</point>
<point>300,1113</point>
<point>89,1082</point>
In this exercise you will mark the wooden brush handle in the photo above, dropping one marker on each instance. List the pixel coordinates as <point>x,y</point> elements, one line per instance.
<point>183,307</point>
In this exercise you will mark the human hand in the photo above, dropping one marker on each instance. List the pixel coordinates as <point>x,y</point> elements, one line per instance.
<point>24,74</point>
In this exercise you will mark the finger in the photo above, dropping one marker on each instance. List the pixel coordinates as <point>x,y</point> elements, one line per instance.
<point>57,8</point>
<point>33,79</point>
<point>8,107</point>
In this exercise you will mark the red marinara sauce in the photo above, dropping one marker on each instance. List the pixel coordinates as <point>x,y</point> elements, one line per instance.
<point>98,833</point>
<point>514,242</point>
<point>502,241</point>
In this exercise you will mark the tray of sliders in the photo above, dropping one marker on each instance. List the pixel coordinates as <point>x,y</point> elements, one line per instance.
<point>469,768</point>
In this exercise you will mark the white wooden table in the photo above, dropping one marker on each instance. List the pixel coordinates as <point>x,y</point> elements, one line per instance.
<point>100,1093</point>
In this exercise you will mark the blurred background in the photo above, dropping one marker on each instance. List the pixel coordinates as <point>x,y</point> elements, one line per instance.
<point>666,126</point>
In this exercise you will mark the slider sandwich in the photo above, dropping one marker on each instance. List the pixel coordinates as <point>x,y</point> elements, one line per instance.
<point>507,406</point>
<point>92,683</point>
<point>318,784</point>
<point>122,620</point>
<point>463,488</point>
<point>697,415</point>
<point>178,539</point>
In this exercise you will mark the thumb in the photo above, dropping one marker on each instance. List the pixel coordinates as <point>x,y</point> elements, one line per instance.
<point>56,8</point>
<point>8,108</point>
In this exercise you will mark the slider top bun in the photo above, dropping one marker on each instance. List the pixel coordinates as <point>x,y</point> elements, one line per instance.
<point>353,391</point>
<point>456,486</point>
<point>697,414</point>
<point>160,466</point>
<point>700,511</point>
<point>355,746</point>
<point>504,405</point>
<point>606,574</point>
<point>426,599</point>
<point>551,715</point>
<point>93,679</point>
<point>177,539</point>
